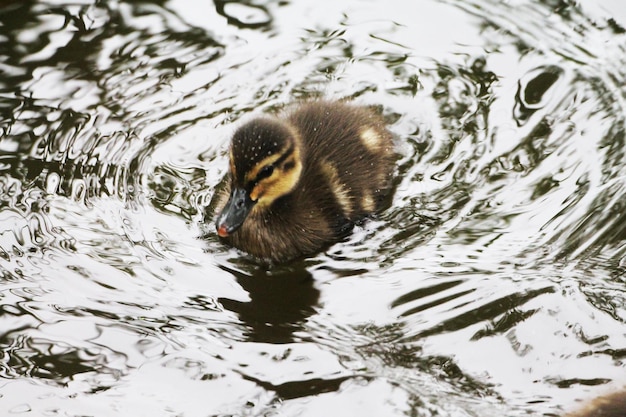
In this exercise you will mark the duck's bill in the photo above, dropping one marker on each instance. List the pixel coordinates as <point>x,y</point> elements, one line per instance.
<point>234,213</point>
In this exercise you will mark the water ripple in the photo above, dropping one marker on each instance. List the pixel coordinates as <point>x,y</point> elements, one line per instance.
<point>493,283</point>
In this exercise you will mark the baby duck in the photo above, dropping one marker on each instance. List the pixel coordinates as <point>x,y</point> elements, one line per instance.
<point>611,405</point>
<point>301,180</point>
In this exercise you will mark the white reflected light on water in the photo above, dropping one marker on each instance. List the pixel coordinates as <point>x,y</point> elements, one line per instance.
<point>493,285</point>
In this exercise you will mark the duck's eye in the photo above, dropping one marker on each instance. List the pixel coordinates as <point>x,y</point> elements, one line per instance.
<point>265,172</point>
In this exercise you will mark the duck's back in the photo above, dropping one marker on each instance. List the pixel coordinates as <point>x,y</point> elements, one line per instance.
<point>348,152</point>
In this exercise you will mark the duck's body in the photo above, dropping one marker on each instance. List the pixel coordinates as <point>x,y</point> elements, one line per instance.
<point>300,181</point>
<point>611,405</point>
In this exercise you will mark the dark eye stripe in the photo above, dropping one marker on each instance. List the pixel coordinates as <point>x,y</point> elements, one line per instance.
<point>285,155</point>
<point>265,172</point>
<point>268,170</point>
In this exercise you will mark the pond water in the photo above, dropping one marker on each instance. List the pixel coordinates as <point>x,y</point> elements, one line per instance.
<point>494,285</point>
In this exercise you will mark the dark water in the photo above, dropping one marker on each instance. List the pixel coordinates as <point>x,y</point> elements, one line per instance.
<point>493,286</point>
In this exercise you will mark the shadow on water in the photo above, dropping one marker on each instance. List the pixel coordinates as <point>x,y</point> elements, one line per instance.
<point>280,302</point>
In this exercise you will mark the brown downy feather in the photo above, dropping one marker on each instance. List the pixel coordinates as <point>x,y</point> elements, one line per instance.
<point>347,158</point>
<point>612,405</point>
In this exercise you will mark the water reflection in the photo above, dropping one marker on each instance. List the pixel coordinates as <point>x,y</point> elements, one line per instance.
<point>244,15</point>
<point>532,90</point>
<point>493,284</point>
<point>280,301</point>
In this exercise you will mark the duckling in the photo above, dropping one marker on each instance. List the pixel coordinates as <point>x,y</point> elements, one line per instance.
<point>611,405</point>
<point>301,180</point>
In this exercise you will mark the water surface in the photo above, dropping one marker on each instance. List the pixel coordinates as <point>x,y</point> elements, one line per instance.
<point>493,285</point>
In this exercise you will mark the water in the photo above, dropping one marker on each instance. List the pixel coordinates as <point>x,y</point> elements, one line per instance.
<point>494,285</point>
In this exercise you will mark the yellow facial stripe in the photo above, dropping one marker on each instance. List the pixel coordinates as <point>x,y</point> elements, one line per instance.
<point>277,185</point>
<point>257,191</point>
<point>282,181</point>
<point>252,174</point>
<point>232,164</point>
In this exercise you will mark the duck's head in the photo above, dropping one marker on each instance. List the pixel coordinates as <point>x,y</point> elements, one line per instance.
<point>265,164</point>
